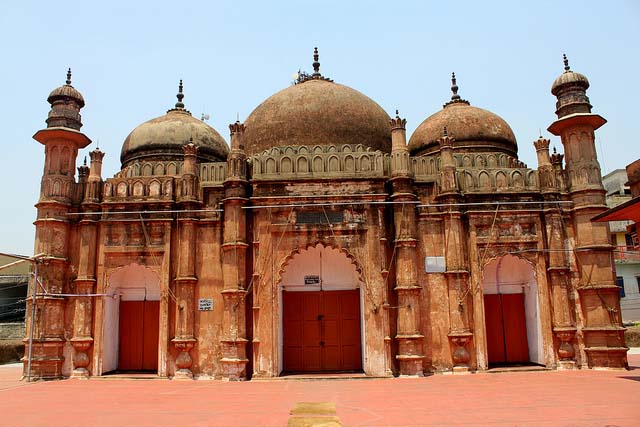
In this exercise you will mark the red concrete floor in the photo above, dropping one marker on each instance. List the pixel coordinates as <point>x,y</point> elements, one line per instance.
<point>555,398</point>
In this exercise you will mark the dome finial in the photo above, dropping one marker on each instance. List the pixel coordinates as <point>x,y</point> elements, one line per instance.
<point>316,64</point>
<point>68,76</point>
<point>180,96</point>
<point>566,63</point>
<point>454,88</point>
<point>455,98</point>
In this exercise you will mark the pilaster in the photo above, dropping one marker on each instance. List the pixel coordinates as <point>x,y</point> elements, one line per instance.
<point>408,290</point>
<point>234,248</point>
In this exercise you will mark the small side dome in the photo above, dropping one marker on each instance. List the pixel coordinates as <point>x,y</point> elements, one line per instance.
<point>472,128</point>
<point>162,138</point>
<point>569,78</point>
<point>317,111</point>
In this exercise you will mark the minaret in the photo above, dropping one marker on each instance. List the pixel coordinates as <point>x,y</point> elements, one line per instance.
<point>409,335</point>
<point>236,192</point>
<point>62,140</point>
<point>599,317</point>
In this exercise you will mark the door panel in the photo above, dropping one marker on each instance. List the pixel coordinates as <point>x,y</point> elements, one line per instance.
<point>328,337</point>
<point>495,335</point>
<point>130,337</point>
<point>515,328</point>
<point>350,331</point>
<point>150,335</point>
<point>506,328</point>
<point>138,335</point>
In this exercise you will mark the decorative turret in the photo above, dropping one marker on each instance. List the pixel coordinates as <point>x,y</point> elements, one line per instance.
<point>571,90</point>
<point>542,150</point>
<point>576,125</point>
<point>546,174</point>
<point>447,165</point>
<point>83,172</point>
<point>237,159</point>
<point>66,103</point>
<point>400,159</point>
<point>96,165</point>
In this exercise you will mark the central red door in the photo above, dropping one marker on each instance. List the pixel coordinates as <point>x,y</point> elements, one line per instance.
<point>322,331</point>
<point>506,324</point>
<point>138,343</point>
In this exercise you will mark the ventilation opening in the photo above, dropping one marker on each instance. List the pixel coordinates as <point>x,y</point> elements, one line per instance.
<point>320,217</point>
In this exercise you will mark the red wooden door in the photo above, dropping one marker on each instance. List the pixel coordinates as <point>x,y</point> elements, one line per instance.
<point>138,332</point>
<point>495,334</point>
<point>506,328</point>
<point>321,331</point>
<point>515,328</point>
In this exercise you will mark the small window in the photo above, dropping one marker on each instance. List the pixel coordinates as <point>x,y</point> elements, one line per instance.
<point>628,240</point>
<point>620,283</point>
<point>638,282</point>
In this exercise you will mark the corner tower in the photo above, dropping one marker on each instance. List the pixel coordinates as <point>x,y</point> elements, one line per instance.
<point>599,303</point>
<point>62,139</point>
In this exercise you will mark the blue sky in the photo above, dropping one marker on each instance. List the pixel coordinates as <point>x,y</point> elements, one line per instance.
<point>127,58</point>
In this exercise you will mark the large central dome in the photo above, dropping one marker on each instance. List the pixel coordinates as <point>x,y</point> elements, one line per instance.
<point>317,111</point>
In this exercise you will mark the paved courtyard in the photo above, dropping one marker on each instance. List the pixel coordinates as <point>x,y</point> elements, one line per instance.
<point>555,398</point>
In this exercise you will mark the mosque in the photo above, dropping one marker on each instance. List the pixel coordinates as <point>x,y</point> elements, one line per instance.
<point>319,242</point>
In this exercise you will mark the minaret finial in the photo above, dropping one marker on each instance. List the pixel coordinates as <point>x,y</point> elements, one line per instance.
<point>566,63</point>
<point>397,114</point>
<point>180,95</point>
<point>68,76</point>
<point>454,88</point>
<point>316,64</point>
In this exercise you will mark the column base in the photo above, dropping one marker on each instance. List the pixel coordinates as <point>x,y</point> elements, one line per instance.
<point>234,369</point>
<point>46,359</point>
<point>80,374</point>
<point>410,365</point>
<point>183,374</point>
<point>458,370</point>
<point>607,357</point>
<point>565,365</point>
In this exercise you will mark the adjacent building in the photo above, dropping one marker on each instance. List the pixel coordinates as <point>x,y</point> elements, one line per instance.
<point>624,237</point>
<point>321,241</point>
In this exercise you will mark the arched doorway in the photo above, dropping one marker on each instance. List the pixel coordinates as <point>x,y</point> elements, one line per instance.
<point>321,312</point>
<point>512,312</point>
<point>131,320</point>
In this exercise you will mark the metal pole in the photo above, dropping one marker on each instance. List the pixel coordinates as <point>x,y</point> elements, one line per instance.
<point>33,318</point>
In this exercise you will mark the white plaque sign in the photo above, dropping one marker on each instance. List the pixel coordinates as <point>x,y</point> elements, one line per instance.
<point>205,304</point>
